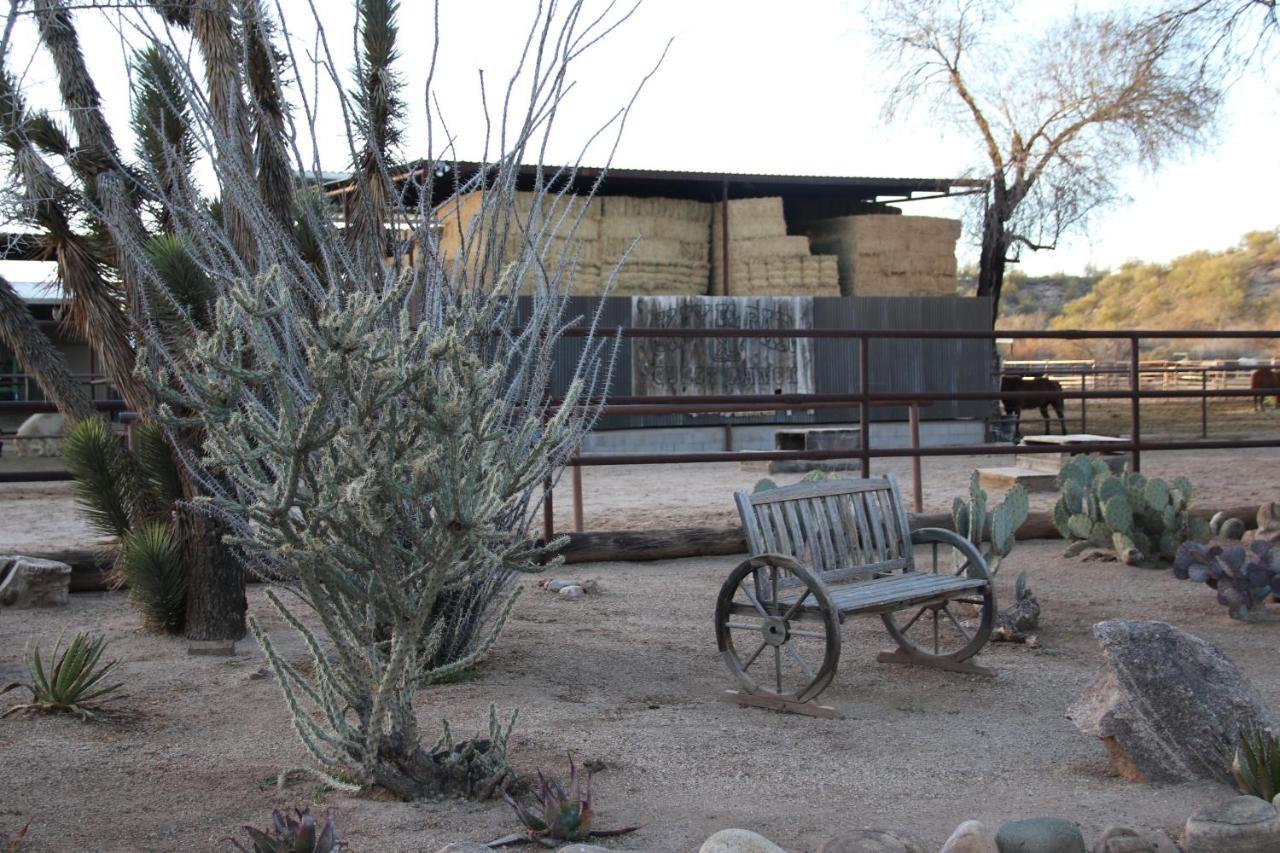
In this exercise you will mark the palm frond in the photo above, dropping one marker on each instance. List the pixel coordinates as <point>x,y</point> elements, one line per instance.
<point>151,564</point>
<point>106,481</point>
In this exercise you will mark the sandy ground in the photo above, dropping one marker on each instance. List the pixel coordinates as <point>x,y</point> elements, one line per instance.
<point>629,678</point>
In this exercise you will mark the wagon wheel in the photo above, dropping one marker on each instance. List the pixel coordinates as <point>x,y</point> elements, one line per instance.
<point>788,648</point>
<point>936,632</point>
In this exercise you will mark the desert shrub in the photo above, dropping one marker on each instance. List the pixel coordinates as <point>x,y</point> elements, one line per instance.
<point>560,814</point>
<point>1243,576</point>
<point>73,682</point>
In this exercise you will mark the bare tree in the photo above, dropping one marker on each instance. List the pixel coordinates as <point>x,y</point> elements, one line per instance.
<point>1055,117</point>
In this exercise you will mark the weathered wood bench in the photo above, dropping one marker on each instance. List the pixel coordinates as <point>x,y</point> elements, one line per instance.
<point>826,550</point>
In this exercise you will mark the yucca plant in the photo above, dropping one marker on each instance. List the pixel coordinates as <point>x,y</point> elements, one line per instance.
<point>135,500</point>
<point>560,815</point>
<point>1255,764</point>
<point>74,683</point>
<point>287,835</point>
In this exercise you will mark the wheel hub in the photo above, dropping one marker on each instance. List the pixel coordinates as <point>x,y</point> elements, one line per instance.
<point>775,631</point>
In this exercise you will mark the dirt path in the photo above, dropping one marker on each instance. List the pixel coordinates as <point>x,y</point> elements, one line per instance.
<point>629,678</point>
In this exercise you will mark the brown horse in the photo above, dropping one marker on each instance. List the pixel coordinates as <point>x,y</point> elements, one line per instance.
<point>1264,378</point>
<point>1051,395</point>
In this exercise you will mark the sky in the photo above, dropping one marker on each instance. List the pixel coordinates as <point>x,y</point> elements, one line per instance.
<point>755,87</point>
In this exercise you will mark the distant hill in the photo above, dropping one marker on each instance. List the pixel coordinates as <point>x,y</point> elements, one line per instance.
<point>1238,288</point>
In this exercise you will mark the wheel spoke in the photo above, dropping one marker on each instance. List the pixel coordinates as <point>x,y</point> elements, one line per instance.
<point>741,627</point>
<point>777,666</point>
<point>773,576</point>
<point>975,601</point>
<point>907,627</point>
<point>964,567</point>
<point>808,670</point>
<point>756,603</point>
<point>935,631</point>
<point>754,655</point>
<point>800,632</point>
<point>956,622</point>
<point>935,558</point>
<point>795,607</point>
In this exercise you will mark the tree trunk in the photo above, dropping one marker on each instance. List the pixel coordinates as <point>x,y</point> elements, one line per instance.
<point>40,358</point>
<point>216,602</point>
<point>991,263</point>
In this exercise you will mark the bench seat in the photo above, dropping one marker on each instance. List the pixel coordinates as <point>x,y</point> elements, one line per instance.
<point>895,592</point>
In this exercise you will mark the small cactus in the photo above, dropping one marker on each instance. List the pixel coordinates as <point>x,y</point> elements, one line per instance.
<point>1140,518</point>
<point>997,526</point>
<point>1244,577</point>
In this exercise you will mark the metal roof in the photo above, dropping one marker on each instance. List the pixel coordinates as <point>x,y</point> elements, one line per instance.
<point>702,186</point>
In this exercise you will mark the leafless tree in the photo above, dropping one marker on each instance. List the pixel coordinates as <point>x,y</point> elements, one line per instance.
<point>1056,116</point>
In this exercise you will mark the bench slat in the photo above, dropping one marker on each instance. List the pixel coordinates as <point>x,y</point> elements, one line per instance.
<point>822,488</point>
<point>896,589</point>
<point>838,527</point>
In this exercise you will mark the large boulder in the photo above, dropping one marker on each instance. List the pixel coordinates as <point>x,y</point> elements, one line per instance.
<point>1040,835</point>
<point>970,837</point>
<point>1168,706</point>
<point>31,582</point>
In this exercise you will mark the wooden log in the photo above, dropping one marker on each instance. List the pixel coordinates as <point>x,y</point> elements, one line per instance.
<point>89,566</point>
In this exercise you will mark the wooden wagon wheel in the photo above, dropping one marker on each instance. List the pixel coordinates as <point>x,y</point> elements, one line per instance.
<point>935,633</point>
<point>787,648</point>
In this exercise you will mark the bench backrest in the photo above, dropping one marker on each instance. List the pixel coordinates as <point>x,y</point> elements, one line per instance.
<point>841,529</point>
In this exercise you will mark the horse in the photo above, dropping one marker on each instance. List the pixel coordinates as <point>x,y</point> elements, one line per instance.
<point>1051,395</point>
<point>1264,377</point>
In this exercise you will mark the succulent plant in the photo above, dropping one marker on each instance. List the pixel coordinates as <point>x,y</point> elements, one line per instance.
<point>561,815</point>
<point>1244,576</point>
<point>1141,519</point>
<point>1255,764</point>
<point>998,525</point>
<point>287,835</point>
<point>764,485</point>
<point>72,684</point>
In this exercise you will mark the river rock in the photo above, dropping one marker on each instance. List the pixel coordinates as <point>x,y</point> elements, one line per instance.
<point>871,841</point>
<point>738,841</point>
<point>970,837</point>
<point>1239,825</point>
<point>32,582</point>
<point>571,591</point>
<point>557,585</point>
<point>1167,704</point>
<point>1122,839</point>
<point>1040,835</point>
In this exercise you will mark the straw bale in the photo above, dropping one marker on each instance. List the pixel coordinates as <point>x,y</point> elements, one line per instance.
<point>656,208</point>
<point>653,227</point>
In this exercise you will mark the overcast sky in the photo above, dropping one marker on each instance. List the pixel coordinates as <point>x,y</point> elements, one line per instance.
<point>754,86</point>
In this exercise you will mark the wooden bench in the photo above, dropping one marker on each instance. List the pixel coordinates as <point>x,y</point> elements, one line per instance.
<point>826,550</point>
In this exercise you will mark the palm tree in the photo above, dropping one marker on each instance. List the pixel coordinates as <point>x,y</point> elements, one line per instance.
<point>39,358</point>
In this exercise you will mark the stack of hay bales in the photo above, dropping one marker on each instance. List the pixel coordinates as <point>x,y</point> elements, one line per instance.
<point>671,242</point>
<point>763,259</point>
<point>890,255</point>
<point>671,239</point>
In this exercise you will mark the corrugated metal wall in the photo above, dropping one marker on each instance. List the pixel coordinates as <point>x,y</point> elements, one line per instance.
<point>896,365</point>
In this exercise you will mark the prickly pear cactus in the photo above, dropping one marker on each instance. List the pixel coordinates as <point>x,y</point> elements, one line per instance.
<point>997,526</point>
<point>1141,518</point>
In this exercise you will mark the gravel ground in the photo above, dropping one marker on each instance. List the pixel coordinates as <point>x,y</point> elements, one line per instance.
<point>630,678</point>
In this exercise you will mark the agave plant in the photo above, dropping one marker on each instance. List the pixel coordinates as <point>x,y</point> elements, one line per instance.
<point>288,835</point>
<point>563,815</point>
<point>74,684</point>
<point>1255,764</point>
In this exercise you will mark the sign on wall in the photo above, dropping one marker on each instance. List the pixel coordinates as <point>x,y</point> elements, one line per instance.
<point>731,365</point>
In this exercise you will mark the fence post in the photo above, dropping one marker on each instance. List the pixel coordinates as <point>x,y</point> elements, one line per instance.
<point>1135,425</point>
<point>917,487</point>
<point>864,420</point>
<point>1204,404</point>
<point>577,498</point>
<point>1084,402</point>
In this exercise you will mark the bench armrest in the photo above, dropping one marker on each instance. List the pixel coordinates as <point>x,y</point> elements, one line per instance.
<point>942,536</point>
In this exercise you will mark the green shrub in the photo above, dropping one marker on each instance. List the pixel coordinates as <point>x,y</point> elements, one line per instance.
<point>74,683</point>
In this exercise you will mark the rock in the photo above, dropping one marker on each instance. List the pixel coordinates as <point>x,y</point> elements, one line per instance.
<point>40,435</point>
<point>1240,825</point>
<point>970,837</point>
<point>1122,839</point>
<point>557,585</point>
<point>1167,705</point>
<point>590,586</point>
<point>870,841</point>
<point>738,841</point>
<point>1040,835</point>
<point>571,591</point>
<point>32,582</point>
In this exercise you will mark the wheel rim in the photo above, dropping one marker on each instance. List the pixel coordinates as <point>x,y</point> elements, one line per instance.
<point>790,649</point>
<point>949,630</point>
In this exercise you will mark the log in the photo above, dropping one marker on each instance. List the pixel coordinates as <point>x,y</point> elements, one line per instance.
<point>89,566</point>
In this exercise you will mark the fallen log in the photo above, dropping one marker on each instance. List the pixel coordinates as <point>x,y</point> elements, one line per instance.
<point>89,566</point>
